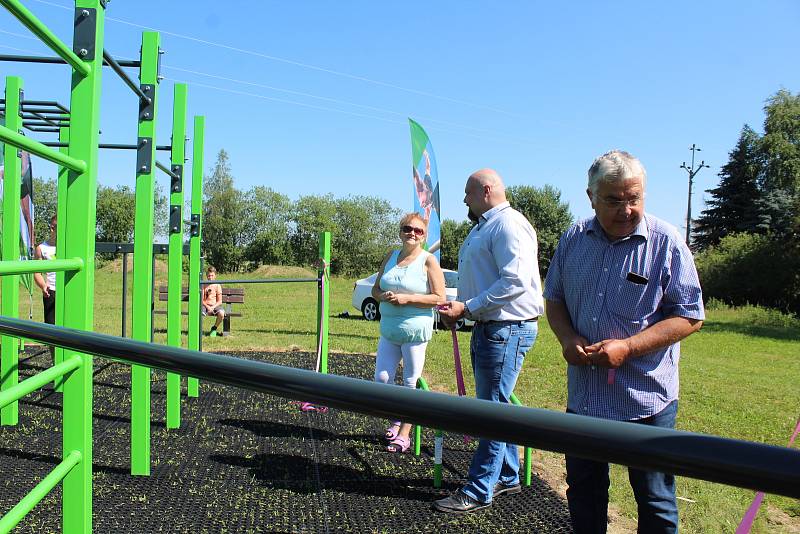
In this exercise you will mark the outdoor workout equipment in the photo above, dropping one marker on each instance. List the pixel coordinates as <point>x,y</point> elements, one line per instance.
<point>78,143</point>
<point>773,469</point>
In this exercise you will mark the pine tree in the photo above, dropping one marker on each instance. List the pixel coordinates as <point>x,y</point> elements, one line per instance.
<point>733,206</point>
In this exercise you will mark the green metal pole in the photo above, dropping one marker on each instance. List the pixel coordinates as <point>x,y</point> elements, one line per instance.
<point>14,267</point>
<point>42,489</point>
<point>528,460</point>
<point>38,149</point>
<point>78,242</point>
<point>143,258</point>
<point>61,215</point>
<point>175,251</point>
<point>9,346</point>
<point>82,66</point>
<point>438,442</point>
<point>324,298</point>
<point>194,245</point>
<point>38,381</point>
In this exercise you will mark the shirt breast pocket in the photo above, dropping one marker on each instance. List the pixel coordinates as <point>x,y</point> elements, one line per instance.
<point>635,302</point>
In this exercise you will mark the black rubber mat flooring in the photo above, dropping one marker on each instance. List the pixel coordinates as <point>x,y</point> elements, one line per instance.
<point>249,462</point>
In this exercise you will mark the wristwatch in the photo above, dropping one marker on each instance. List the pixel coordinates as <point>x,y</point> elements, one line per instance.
<point>468,313</point>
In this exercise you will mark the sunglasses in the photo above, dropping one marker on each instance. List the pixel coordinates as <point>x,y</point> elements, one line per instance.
<point>410,229</point>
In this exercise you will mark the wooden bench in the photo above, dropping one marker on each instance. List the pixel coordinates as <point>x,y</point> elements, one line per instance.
<point>230,296</point>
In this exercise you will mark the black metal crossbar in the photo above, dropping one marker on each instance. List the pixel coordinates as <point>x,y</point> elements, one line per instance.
<point>58,60</point>
<point>258,281</point>
<point>728,461</point>
<point>111,62</point>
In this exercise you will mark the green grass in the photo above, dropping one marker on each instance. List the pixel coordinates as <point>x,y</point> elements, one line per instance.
<point>739,375</point>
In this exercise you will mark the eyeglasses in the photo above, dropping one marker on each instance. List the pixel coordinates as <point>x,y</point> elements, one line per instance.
<point>411,229</point>
<point>616,204</point>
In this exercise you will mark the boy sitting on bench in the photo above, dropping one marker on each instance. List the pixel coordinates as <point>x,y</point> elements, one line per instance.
<point>212,301</point>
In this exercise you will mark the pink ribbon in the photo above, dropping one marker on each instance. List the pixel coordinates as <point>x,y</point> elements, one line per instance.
<point>750,515</point>
<point>462,390</point>
<point>612,373</point>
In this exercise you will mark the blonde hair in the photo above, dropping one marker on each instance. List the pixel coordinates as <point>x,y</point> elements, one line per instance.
<point>408,217</point>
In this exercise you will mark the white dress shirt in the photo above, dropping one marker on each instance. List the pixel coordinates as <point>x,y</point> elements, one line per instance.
<point>498,270</point>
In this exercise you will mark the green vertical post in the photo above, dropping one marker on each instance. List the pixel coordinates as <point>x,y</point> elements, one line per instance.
<point>323,298</point>
<point>61,215</point>
<point>9,346</point>
<point>143,255</point>
<point>175,251</point>
<point>78,242</point>
<point>437,443</point>
<point>527,466</point>
<point>194,245</point>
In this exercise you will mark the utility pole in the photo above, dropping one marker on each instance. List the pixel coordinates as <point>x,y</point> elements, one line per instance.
<point>692,172</point>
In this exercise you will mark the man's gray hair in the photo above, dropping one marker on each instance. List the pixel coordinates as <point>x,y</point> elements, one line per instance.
<point>614,166</point>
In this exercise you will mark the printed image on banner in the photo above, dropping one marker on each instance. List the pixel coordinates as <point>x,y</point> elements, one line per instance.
<point>426,185</point>
<point>26,208</point>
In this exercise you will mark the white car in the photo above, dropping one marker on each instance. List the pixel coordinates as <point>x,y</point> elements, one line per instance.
<point>362,296</point>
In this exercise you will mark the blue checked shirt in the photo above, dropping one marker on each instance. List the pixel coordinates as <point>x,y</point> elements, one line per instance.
<point>590,275</point>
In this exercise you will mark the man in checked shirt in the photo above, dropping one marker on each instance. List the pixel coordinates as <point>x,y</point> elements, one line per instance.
<point>621,292</point>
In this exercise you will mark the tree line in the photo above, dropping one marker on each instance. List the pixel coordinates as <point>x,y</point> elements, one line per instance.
<point>747,239</point>
<point>245,229</point>
<point>242,230</point>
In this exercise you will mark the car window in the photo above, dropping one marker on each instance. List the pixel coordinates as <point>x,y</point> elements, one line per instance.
<point>450,279</point>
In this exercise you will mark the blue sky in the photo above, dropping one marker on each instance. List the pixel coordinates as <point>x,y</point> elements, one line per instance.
<point>312,97</point>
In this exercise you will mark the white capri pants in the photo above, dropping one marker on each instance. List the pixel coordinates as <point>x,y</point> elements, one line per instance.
<point>389,356</point>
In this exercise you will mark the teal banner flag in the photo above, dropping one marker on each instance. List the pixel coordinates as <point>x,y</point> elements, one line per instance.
<point>426,185</point>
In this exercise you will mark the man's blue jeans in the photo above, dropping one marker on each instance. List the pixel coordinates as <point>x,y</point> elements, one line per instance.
<point>497,351</point>
<point>588,482</point>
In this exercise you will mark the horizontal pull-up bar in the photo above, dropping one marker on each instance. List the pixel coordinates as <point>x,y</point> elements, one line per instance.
<point>39,492</point>
<point>41,31</point>
<point>52,121</point>
<point>124,75</point>
<point>740,463</point>
<point>257,281</point>
<point>40,266</point>
<point>36,148</point>
<point>50,129</point>
<point>101,247</point>
<point>44,122</point>
<point>47,103</point>
<point>57,60</point>
<point>111,146</point>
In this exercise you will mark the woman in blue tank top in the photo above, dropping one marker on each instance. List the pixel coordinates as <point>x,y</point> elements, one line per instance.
<point>409,285</point>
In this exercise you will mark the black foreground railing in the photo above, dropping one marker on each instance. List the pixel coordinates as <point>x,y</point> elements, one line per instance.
<point>738,463</point>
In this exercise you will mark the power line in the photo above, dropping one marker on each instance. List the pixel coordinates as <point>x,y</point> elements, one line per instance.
<point>505,137</point>
<point>339,101</point>
<point>297,63</point>
<point>334,110</point>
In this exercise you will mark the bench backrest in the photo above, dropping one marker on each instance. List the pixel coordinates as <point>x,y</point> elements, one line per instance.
<point>230,295</point>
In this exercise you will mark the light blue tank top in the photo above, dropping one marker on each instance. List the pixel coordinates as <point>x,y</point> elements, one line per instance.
<point>406,324</point>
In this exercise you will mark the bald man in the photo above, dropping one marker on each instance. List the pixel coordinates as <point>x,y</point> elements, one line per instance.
<point>500,289</point>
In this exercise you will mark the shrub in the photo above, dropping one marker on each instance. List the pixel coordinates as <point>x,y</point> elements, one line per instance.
<point>751,269</point>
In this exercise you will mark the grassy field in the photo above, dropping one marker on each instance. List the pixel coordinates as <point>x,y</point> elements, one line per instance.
<point>739,378</point>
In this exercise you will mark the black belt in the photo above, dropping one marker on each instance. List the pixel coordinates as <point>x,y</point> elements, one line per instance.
<point>533,320</point>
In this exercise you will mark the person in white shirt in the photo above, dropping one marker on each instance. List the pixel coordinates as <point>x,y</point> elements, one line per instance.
<point>499,288</point>
<point>47,283</point>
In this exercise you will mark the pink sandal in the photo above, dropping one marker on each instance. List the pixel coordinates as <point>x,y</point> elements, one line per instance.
<point>399,444</point>
<point>391,432</point>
